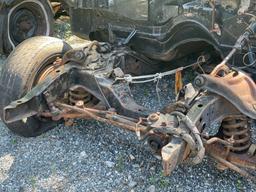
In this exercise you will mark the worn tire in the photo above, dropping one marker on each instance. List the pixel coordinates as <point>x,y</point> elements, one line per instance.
<point>19,74</point>
<point>25,19</point>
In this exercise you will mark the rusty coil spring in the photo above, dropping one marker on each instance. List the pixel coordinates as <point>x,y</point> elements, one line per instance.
<point>78,93</point>
<point>236,129</point>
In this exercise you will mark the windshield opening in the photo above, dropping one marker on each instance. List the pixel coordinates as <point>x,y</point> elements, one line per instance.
<point>154,11</point>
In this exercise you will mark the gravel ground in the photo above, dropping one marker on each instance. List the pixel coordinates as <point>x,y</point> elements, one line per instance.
<point>91,156</point>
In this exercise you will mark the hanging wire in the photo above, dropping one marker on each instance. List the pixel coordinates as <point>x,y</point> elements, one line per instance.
<point>246,65</point>
<point>154,77</point>
<point>250,14</point>
<point>158,76</point>
<point>200,62</point>
<point>157,92</point>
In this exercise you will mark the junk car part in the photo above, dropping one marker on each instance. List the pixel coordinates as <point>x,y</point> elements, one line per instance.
<point>26,19</point>
<point>17,79</point>
<point>22,19</point>
<point>91,83</point>
<point>170,29</point>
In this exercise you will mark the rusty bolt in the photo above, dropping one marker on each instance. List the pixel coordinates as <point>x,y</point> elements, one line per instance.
<point>199,81</point>
<point>79,55</point>
<point>58,61</point>
<point>69,122</point>
<point>163,124</point>
<point>80,104</point>
<point>153,117</point>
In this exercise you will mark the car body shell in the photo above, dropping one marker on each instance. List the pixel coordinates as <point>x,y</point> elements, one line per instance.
<point>164,30</point>
<point>194,25</point>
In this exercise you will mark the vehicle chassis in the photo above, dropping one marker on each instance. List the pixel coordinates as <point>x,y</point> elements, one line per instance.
<point>91,83</point>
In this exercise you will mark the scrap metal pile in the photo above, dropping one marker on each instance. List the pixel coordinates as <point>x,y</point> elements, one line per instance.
<point>212,116</point>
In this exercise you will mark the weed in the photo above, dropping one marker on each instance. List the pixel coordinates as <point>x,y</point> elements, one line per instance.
<point>120,164</point>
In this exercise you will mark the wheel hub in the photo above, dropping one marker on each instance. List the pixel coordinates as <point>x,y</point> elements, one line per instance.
<point>23,25</point>
<point>49,70</point>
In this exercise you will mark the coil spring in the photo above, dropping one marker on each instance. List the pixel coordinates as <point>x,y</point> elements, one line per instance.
<point>78,93</point>
<point>237,129</point>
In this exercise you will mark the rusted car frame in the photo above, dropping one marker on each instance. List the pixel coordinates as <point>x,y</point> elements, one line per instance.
<point>210,116</point>
<point>79,86</point>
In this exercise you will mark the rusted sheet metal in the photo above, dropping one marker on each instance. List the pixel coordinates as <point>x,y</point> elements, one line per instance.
<point>172,155</point>
<point>237,87</point>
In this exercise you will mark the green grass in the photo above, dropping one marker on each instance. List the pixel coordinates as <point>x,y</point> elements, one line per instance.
<point>120,164</point>
<point>62,28</point>
<point>159,180</point>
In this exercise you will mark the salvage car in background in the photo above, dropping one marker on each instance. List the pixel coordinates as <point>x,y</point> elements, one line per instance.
<point>22,19</point>
<point>165,29</point>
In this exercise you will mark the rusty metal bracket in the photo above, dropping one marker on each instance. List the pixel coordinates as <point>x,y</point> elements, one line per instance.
<point>238,88</point>
<point>32,102</point>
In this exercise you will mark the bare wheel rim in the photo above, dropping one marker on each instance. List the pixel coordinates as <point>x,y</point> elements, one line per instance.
<point>27,19</point>
<point>23,25</point>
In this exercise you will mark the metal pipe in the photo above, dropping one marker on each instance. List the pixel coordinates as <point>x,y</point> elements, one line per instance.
<point>124,124</point>
<point>217,140</point>
<point>233,167</point>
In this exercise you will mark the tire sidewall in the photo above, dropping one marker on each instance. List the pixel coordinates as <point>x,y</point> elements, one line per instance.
<point>16,82</point>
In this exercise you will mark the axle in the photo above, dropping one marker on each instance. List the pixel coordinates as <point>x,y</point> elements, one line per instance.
<point>175,136</point>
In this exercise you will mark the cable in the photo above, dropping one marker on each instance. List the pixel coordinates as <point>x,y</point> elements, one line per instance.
<point>199,63</point>
<point>246,64</point>
<point>250,14</point>
<point>154,77</point>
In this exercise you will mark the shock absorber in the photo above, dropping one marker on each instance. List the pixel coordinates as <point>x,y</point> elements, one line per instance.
<point>237,130</point>
<point>78,93</point>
